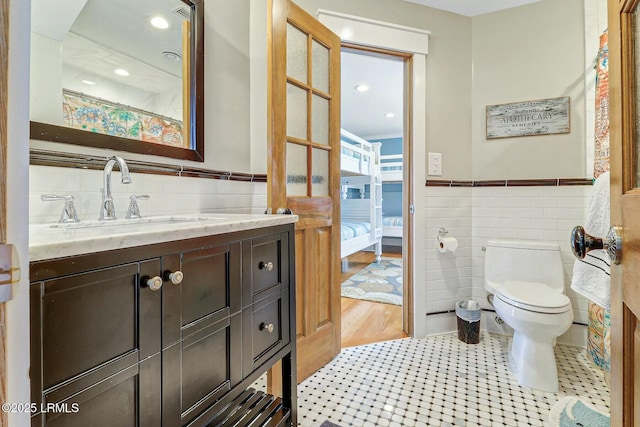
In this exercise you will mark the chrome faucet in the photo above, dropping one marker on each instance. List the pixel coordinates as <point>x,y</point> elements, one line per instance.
<point>108,211</point>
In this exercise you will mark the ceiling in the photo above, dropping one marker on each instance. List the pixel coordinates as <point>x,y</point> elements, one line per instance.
<point>363,113</point>
<point>472,7</point>
<point>100,35</point>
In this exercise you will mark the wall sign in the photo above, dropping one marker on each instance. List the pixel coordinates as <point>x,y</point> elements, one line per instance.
<point>539,117</point>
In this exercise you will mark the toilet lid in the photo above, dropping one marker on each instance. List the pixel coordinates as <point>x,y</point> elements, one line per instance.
<point>536,297</point>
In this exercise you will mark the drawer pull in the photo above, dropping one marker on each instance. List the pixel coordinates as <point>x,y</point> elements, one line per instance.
<point>265,327</point>
<point>267,265</point>
<point>155,283</point>
<point>176,277</point>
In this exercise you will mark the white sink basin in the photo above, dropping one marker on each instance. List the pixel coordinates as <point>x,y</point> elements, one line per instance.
<point>139,222</point>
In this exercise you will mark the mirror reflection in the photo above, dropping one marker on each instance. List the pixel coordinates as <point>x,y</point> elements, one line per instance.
<point>113,67</point>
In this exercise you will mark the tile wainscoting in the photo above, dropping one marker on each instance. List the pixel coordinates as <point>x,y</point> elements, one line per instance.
<point>169,194</point>
<point>475,212</point>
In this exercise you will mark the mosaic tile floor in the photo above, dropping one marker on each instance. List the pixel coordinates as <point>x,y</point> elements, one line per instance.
<point>439,381</point>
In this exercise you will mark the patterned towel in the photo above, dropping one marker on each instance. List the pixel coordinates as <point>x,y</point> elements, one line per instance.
<point>570,411</point>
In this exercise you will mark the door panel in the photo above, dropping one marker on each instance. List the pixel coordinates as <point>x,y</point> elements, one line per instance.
<point>304,171</point>
<point>624,101</point>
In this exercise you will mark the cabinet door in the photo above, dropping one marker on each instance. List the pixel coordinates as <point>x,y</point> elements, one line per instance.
<point>89,333</point>
<point>201,346</point>
<point>128,398</point>
<point>209,291</point>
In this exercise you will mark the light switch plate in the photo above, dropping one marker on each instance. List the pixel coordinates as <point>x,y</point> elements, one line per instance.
<point>434,164</point>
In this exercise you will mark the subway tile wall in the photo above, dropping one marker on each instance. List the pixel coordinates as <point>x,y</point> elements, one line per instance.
<point>169,194</point>
<point>535,213</point>
<point>449,275</point>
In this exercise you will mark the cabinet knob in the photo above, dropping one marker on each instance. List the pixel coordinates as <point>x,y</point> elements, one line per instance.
<point>265,327</point>
<point>265,265</point>
<point>176,277</point>
<point>154,283</point>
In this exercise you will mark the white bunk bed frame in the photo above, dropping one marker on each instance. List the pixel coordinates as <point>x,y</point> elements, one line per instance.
<point>357,172</point>
<point>391,170</point>
<point>391,167</point>
<point>391,231</point>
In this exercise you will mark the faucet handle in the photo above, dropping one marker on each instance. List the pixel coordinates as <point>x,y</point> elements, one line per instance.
<point>69,213</point>
<point>134,209</point>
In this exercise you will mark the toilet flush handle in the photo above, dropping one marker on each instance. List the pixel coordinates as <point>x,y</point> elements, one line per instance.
<point>582,243</point>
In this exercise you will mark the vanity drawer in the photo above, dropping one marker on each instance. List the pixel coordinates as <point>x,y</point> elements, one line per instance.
<point>265,263</point>
<point>266,328</point>
<point>264,266</point>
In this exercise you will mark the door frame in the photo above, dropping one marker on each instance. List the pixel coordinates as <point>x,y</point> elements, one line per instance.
<point>407,163</point>
<point>364,33</point>
<point>16,221</point>
<point>4,106</point>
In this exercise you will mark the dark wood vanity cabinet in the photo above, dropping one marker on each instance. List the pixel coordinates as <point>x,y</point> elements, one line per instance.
<point>168,335</point>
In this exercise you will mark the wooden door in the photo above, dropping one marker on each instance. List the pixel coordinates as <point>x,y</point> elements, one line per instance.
<point>624,84</point>
<point>304,170</point>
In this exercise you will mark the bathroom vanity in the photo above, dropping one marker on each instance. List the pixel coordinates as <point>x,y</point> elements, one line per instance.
<point>162,322</point>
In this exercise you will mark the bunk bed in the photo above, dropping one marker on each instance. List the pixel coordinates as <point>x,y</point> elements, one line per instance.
<point>361,190</point>
<point>391,167</point>
<point>391,172</point>
<point>391,226</point>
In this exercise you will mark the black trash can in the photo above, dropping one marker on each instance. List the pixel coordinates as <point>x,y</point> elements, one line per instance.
<point>468,314</point>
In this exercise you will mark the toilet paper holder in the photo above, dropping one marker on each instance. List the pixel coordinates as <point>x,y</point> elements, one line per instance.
<point>441,233</point>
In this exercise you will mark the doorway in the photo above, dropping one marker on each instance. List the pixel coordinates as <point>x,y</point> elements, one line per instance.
<point>375,100</point>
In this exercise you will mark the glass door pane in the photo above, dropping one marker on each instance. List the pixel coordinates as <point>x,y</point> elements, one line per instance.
<point>296,170</point>
<point>296,112</point>
<point>320,181</point>
<point>296,54</point>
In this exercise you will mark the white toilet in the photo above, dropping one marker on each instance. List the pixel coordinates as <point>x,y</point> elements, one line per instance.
<point>526,279</point>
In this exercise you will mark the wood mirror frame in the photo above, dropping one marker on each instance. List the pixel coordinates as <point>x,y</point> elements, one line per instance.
<point>54,133</point>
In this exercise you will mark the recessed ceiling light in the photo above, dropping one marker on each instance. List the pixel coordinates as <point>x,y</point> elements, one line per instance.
<point>389,115</point>
<point>121,72</point>
<point>171,55</point>
<point>362,88</point>
<point>159,22</point>
<point>89,82</point>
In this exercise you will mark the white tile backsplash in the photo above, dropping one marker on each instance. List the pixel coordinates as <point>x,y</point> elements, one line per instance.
<point>168,194</point>
<point>474,215</point>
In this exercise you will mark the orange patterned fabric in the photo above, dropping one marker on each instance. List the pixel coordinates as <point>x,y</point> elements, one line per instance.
<point>595,342</point>
<point>598,335</point>
<point>601,145</point>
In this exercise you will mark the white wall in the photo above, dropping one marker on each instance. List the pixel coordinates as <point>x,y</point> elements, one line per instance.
<point>527,53</point>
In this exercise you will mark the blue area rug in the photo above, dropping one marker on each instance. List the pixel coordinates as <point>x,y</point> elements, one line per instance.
<point>378,282</point>
<point>570,411</point>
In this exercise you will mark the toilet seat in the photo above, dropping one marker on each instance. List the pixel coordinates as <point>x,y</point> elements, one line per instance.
<point>536,297</point>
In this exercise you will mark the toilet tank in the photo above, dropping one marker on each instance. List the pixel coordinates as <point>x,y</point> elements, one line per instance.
<point>523,261</point>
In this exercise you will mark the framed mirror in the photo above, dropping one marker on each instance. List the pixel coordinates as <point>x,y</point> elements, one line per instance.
<point>120,75</point>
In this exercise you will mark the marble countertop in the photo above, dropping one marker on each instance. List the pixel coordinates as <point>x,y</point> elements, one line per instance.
<point>48,241</point>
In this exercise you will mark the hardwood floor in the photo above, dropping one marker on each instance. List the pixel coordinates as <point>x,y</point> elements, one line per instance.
<point>365,322</point>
